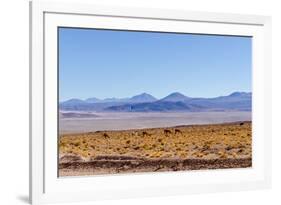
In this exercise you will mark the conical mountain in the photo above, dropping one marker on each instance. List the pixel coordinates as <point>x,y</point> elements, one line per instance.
<point>175,97</point>
<point>143,97</point>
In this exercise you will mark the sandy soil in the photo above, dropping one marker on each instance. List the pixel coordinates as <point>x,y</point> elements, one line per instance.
<point>191,147</point>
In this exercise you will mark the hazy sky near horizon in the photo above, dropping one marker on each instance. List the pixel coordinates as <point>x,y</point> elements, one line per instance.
<point>106,63</point>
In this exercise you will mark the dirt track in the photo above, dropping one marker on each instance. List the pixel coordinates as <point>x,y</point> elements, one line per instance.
<point>113,166</point>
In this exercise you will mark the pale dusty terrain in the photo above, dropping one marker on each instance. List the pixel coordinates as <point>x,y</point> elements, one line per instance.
<point>124,121</point>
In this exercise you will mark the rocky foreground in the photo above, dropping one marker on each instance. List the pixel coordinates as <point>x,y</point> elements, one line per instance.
<point>179,148</point>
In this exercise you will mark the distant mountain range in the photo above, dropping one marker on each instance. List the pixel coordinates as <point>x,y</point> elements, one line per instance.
<point>239,101</point>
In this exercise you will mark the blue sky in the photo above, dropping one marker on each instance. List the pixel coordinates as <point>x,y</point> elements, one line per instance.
<point>105,63</point>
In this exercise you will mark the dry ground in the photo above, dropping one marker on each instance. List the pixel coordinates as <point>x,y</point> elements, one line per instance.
<point>189,147</point>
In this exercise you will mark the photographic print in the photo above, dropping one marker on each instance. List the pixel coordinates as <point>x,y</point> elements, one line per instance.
<point>142,101</point>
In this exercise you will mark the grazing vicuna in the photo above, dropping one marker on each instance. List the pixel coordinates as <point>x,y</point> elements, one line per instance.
<point>177,131</point>
<point>166,132</point>
<point>144,133</point>
<point>105,135</point>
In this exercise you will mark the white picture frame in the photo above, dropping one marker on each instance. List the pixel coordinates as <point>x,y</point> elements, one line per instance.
<point>46,187</point>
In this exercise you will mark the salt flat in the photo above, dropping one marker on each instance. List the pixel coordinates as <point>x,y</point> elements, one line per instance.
<point>126,120</point>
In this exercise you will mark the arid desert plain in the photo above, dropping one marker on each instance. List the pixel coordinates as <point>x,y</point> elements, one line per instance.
<point>110,143</point>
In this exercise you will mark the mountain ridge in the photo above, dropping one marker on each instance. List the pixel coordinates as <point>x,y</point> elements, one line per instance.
<point>175,101</point>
